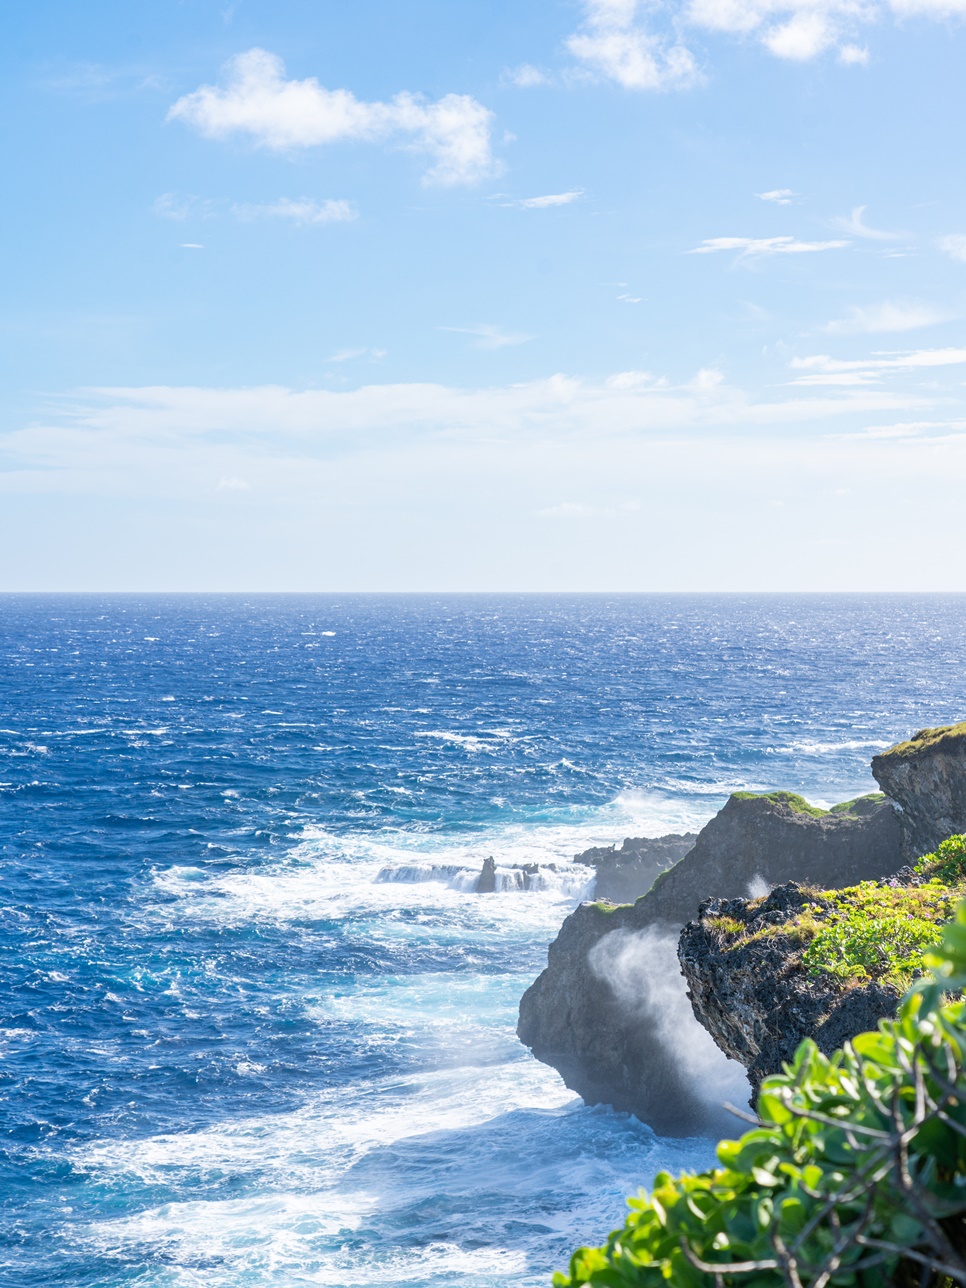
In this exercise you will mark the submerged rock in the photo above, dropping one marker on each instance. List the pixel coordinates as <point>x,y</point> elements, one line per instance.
<point>598,1013</point>
<point>926,777</point>
<point>624,875</point>
<point>749,987</point>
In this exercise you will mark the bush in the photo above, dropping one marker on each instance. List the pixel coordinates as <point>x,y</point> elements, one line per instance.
<point>948,864</point>
<point>881,932</point>
<point>854,1173</point>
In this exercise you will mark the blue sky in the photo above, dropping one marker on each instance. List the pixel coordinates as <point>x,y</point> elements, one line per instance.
<point>416,295</point>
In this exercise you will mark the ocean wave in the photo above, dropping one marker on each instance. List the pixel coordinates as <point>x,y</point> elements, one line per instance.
<point>356,1185</point>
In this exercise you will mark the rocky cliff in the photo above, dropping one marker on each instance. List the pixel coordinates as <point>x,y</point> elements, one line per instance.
<point>751,989</point>
<point>624,875</point>
<point>926,776</point>
<point>610,1012</point>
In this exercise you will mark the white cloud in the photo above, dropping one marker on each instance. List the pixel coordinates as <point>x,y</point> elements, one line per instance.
<point>256,100</point>
<point>821,369</point>
<point>389,486</point>
<point>616,43</point>
<point>753,247</point>
<point>930,8</point>
<point>807,33</point>
<point>571,510</point>
<point>302,210</point>
<point>349,355</point>
<point>890,315</point>
<point>526,76</point>
<point>172,206</point>
<point>192,246</point>
<point>551,199</point>
<point>613,44</point>
<point>490,337</point>
<point>780,196</point>
<point>954,244</point>
<point>234,485</point>
<point>856,225</point>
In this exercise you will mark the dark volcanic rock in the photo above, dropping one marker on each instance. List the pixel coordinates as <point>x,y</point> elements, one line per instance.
<point>756,1000</point>
<point>760,841</point>
<point>597,1012</point>
<point>926,776</point>
<point>610,1012</point>
<point>624,875</point>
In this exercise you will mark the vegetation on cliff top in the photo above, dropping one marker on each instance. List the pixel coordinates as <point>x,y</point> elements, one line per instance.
<point>872,931</point>
<point>854,1175</point>
<point>925,738</point>
<point>801,806</point>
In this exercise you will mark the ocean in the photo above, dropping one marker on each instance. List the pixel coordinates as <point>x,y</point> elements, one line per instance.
<point>257,1028</point>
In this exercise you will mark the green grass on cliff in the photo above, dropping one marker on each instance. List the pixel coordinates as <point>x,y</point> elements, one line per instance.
<point>925,738</point>
<point>795,802</point>
<point>873,931</point>
<point>801,806</point>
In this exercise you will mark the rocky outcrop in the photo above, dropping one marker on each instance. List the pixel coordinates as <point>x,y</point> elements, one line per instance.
<point>486,881</point>
<point>599,1012</point>
<point>624,875</point>
<point>610,1013</point>
<point>926,777</point>
<point>755,997</point>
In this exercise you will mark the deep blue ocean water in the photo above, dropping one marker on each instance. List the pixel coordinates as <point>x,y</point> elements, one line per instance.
<point>256,1028</point>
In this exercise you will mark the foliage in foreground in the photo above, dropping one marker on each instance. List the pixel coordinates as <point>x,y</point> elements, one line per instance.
<point>855,1173</point>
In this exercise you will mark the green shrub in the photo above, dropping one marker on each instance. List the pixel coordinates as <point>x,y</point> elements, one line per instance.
<point>880,932</point>
<point>948,864</point>
<point>854,1175</point>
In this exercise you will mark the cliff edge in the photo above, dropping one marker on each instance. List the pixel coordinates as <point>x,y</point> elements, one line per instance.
<point>927,777</point>
<point>610,1012</point>
<point>765,973</point>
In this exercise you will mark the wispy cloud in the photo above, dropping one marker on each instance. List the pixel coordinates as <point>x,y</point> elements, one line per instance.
<point>954,245</point>
<point>490,337</point>
<point>551,199</point>
<point>757,247</point>
<point>526,76</point>
<point>102,82</point>
<point>256,100</point>
<point>780,196</point>
<point>821,369</point>
<point>296,210</point>
<point>889,315</point>
<point>172,206</point>
<point>350,355</point>
<point>302,210</point>
<point>856,226</point>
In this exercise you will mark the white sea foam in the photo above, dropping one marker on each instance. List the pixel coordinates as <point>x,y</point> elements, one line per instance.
<point>349,1183</point>
<point>806,747</point>
<point>479,1170</point>
<point>328,876</point>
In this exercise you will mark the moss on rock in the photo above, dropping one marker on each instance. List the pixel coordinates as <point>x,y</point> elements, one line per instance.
<point>925,739</point>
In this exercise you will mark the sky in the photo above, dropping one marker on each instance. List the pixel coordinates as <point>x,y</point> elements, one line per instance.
<point>482,295</point>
